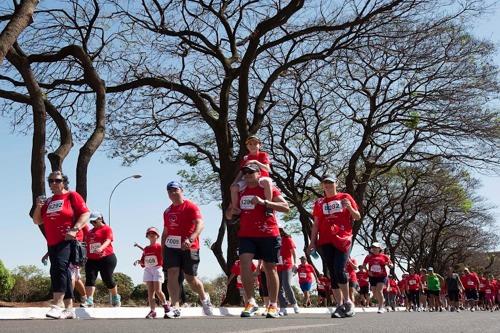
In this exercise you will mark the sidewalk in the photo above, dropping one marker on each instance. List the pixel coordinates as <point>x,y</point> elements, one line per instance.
<point>140,312</point>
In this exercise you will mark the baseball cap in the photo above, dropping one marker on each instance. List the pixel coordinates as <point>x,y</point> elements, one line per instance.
<point>329,178</point>
<point>174,185</point>
<point>430,269</point>
<point>152,229</point>
<point>95,215</point>
<point>376,244</point>
<point>251,166</point>
<point>252,137</point>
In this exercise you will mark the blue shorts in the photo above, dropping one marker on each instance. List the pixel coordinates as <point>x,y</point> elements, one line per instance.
<point>306,286</point>
<point>265,248</point>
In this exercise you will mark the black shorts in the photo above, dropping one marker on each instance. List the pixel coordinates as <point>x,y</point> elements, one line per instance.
<point>264,248</point>
<point>433,292</point>
<point>354,285</point>
<point>322,293</point>
<point>374,280</point>
<point>453,295</point>
<point>187,260</point>
<point>471,295</point>
<point>481,295</point>
<point>365,290</point>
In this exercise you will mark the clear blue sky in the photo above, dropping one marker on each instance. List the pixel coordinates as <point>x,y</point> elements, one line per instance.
<point>137,204</point>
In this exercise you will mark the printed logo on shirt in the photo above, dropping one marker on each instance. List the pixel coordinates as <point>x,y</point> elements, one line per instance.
<point>173,242</point>
<point>150,261</point>
<point>94,247</point>
<point>246,202</point>
<point>172,219</point>
<point>332,207</point>
<point>280,260</point>
<point>376,268</point>
<point>55,206</point>
<point>302,275</point>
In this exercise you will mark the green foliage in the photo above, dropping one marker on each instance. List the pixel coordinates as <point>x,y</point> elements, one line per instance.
<point>6,281</point>
<point>30,285</point>
<point>140,294</point>
<point>216,288</point>
<point>125,288</point>
<point>413,120</point>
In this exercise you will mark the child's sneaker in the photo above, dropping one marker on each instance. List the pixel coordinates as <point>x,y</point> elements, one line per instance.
<point>89,303</point>
<point>116,301</point>
<point>151,315</point>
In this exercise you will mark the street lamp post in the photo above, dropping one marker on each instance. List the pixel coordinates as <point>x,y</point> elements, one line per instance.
<point>111,195</point>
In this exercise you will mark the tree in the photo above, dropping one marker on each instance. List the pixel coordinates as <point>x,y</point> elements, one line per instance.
<point>18,21</point>
<point>31,285</point>
<point>6,281</point>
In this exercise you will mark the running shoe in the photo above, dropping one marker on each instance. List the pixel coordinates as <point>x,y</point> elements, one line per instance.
<point>296,308</point>
<point>55,312</point>
<point>339,312</point>
<point>116,301</point>
<point>272,312</point>
<point>283,312</point>
<point>249,310</point>
<point>207,306</point>
<point>349,309</point>
<point>172,314</point>
<point>89,303</point>
<point>151,315</point>
<point>381,310</point>
<point>166,307</point>
<point>68,314</point>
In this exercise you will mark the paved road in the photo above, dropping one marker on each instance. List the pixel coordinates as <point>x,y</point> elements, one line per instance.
<point>484,322</point>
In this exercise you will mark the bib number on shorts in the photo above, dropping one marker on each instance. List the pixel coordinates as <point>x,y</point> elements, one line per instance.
<point>150,261</point>
<point>246,202</point>
<point>332,207</point>
<point>94,247</point>
<point>173,242</point>
<point>55,206</point>
<point>376,268</point>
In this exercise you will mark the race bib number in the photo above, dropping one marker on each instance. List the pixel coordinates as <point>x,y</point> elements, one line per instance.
<point>150,261</point>
<point>246,202</point>
<point>412,282</point>
<point>376,268</point>
<point>55,206</point>
<point>332,207</point>
<point>470,283</point>
<point>481,285</point>
<point>173,242</point>
<point>302,275</point>
<point>94,247</point>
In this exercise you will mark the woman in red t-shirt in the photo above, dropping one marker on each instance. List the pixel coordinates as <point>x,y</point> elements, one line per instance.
<point>63,215</point>
<point>306,273</point>
<point>286,266</point>
<point>376,263</point>
<point>101,259</point>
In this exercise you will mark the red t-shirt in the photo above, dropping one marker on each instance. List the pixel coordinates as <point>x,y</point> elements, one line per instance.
<point>482,283</point>
<point>470,281</point>
<point>324,283</point>
<point>59,213</point>
<point>261,157</point>
<point>152,256</point>
<point>402,284</point>
<point>253,219</point>
<point>413,281</point>
<point>376,264</point>
<point>306,273</point>
<point>490,288</point>
<point>95,238</point>
<point>394,286</point>
<point>363,279</point>
<point>236,270</point>
<point>333,218</point>
<point>285,260</point>
<point>179,223</point>
<point>80,235</point>
<point>351,271</point>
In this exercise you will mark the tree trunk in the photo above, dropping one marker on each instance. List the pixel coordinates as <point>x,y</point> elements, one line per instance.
<point>20,20</point>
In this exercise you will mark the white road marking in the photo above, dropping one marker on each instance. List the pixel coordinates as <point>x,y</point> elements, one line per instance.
<point>285,328</point>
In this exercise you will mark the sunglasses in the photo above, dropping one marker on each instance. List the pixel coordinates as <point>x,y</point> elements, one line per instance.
<point>248,172</point>
<point>55,180</point>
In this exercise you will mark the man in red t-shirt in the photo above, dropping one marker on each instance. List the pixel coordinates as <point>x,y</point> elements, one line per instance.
<point>306,273</point>
<point>259,237</point>
<point>470,281</point>
<point>182,225</point>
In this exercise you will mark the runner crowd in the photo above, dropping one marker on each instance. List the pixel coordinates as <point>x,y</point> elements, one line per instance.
<point>267,255</point>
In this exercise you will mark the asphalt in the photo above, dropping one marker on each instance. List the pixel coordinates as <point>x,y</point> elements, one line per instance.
<point>467,322</point>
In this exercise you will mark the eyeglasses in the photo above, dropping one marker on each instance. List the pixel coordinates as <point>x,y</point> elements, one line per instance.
<point>248,172</point>
<point>56,180</point>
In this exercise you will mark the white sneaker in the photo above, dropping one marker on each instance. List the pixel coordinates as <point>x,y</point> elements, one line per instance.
<point>207,306</point>
<point>381,310</point>
<point>283,312</point>
<point>296,308</point>
<point>55,312</point>
<point>68,314</point>
<point>349,309</point>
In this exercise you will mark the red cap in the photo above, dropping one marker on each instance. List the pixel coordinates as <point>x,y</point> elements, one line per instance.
<point>152,229</point>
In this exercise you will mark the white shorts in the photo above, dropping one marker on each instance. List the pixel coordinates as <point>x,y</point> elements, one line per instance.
<point>153,274</point>
<point>75,272</point>
<point>242,184</point>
